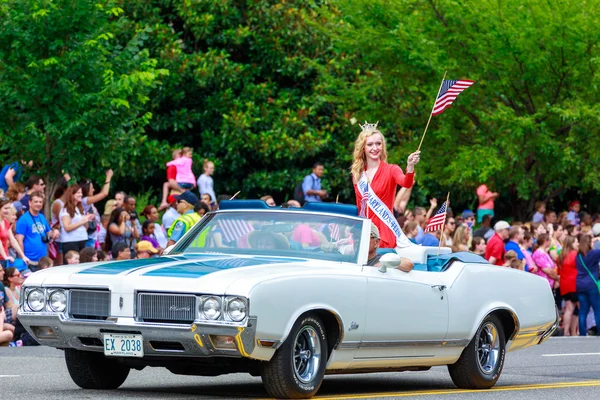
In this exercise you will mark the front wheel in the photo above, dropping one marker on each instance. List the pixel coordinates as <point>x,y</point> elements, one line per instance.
<point>91,370</point>
<point>481,362</point>
<point>296,370</point>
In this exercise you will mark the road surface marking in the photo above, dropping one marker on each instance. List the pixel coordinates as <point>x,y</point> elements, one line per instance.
<point>570,354</point>
<point>557,385</point>
<point>10,376</point>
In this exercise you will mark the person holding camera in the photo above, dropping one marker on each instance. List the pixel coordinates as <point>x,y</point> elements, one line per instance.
<point>74,221</point>
<point>89,198</point>
<point>121,230</point>
<point>129,206</point>
<point>33,231</point>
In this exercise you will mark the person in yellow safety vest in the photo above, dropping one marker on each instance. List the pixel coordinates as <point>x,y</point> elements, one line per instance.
<point>201,209</point>
<point>185,206</point>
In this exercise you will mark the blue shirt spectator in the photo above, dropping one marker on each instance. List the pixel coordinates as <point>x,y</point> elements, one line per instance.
<point>430,240</point>
<point>311,186</point>
<point>515,235</point>
<point>10,174</point>
<point>514,246</point>
<point>33,228</point>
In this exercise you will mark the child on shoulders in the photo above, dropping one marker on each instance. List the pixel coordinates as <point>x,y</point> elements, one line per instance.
<point>185,177</point>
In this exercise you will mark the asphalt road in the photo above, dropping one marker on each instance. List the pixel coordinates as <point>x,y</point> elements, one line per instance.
<point>560,368</point>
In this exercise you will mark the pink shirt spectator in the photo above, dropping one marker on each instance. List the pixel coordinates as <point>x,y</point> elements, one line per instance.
<point>484,191</point>
<point>304,235</point>
<point>543,260</point>
<point>184,170</point>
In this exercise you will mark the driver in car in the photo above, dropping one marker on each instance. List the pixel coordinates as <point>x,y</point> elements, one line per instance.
<point>405,265</point>
<point>268,240</point>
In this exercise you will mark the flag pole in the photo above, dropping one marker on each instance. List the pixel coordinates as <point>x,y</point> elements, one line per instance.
<point>235,195</point>
<point>444,223</point>
<point>431,113</point>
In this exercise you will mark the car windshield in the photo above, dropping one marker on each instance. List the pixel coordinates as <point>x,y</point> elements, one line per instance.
<point>276,233</point>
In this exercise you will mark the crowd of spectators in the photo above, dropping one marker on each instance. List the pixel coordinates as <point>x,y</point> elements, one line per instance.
<point>562,248</point>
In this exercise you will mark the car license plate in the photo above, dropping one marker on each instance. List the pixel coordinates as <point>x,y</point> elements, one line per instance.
<point>123,345</point>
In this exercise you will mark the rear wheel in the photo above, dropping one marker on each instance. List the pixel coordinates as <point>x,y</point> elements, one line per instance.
<point>481,362</point>
<point>296,370</point>
<point>91,370</point>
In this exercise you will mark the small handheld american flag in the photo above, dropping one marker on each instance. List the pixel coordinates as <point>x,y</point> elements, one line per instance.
<point>334,232</point>
<point>449,91</point>
<point>436,222</point>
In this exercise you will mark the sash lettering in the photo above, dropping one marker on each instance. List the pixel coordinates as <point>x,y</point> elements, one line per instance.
<point>371,200</point>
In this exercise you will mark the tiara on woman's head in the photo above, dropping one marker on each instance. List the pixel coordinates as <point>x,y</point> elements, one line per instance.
<point>369,127</point>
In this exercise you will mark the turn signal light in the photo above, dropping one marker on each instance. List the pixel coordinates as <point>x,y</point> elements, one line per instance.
<point>43,332</point>
<point>221,342</point>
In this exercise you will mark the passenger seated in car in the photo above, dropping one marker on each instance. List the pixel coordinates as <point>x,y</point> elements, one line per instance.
<point>306,236</point>
<point>406,265</point>
<point>268,240</point>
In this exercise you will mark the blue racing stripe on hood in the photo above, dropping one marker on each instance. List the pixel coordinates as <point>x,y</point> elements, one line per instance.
<point>117,267</point>
<point>201,268</point>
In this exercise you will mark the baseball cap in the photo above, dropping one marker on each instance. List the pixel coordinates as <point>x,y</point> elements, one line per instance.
<point>144,245</point>
<point>501,225</point>
<point>467,214</point>
<point>596,229</point>
<point>374,231</point>
<point>171,199</point>
<point>109,207</point>
<point>18,206</point>
<point>187,196</point>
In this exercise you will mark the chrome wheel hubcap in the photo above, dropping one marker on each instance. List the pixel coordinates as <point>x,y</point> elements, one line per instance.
<point>488,348</point>
<point>307,354</point>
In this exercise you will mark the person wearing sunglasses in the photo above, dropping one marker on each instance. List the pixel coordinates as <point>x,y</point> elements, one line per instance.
<point>33,184</point>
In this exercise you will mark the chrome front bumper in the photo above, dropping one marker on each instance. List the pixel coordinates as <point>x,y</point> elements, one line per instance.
<point>192,340</point>
<point>550,331</point>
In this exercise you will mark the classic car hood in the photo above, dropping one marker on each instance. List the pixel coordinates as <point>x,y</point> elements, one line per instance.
<point>199,273</point>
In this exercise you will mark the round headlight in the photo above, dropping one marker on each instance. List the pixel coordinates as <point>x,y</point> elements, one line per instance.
<point>36,300</point>
<point>211,308</point>
<point>58,301</point>
<point>236,310</point>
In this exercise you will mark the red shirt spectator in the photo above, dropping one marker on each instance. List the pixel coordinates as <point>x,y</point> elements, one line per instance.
<point>568,273</point>
<point>494,251</point>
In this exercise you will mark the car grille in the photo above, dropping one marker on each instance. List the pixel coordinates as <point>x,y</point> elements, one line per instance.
<point>89,304</point>
<point>166,308</point>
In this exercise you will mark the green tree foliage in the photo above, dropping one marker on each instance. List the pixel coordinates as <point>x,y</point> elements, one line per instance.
<point>249,88</point>
<point>267,87</point>
<point>71,95</point>
<point>528,126</point>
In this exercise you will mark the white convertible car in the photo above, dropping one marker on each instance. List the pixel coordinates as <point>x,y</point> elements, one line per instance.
<point>286,294</point>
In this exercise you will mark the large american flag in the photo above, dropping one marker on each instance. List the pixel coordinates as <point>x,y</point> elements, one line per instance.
<point>448,93</point>
<point>437,221</point>
<point>234,228</point>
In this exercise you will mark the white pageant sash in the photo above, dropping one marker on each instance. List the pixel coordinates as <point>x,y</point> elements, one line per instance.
<point>370,199</point>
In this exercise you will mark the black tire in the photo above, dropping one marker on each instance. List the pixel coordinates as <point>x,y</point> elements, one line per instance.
<point>91,370</point>
<point>471,373</point>
<point>280,376</point>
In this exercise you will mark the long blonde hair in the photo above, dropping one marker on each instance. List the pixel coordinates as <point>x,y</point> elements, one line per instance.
<point>461,236</point>
<point>358,165</point>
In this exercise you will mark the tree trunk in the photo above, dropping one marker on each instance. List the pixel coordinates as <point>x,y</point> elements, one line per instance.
<point>51,186</point>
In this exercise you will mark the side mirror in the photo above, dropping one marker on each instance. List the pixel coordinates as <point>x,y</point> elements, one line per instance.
<point>389,260</point>
<point>168,250</point>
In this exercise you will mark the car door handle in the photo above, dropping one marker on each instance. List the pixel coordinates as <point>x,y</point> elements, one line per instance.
<point>439,287</point>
